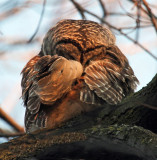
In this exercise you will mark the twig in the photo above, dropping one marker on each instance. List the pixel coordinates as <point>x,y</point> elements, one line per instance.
<point>138,20</point>
<point>103,8</point>
<point>131,15</point>
<point>7,134</point>
<point>39,23</point>
<point>119,30</point>
<point>152,17</point>
<point>134,27</point>
<point>10,121</point>
<point>12,9</point>
<point>82,10</point>
<point>148,12</point>
<point>149,106</point>
<point>79,8</point>
<point>142,9</point>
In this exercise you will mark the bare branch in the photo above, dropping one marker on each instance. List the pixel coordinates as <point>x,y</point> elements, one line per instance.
<point>10,121</point>
<point>79,8</point>
<point>148,12</point>
<point>82,10</point>
<point>151,15</point>
<point>39,23</point>
<point>138,20</point>
<point>103,8</point>
<point>120,31</point>
<point>149,106</point>
<point>7,134</point>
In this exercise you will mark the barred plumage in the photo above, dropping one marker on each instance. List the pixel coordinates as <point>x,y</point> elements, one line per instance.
<point>79,68</point>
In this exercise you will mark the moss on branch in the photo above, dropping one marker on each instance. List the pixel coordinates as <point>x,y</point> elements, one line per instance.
<point>113,132</point>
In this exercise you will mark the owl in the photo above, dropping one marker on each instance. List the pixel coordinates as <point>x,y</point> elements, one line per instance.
<point>78,69</point>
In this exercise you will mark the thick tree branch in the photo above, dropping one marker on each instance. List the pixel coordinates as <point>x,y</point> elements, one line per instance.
<point>97,134</point>
<point>124,141</point>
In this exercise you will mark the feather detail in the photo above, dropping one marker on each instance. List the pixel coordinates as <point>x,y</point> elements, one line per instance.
<point>107,81</point>
<point>45,80</point>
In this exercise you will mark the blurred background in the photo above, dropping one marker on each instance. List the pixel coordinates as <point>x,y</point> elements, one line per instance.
<point>23,25</point>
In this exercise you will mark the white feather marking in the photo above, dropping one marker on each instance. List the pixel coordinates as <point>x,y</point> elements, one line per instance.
<point>90,82</point>
<point>81,95</point>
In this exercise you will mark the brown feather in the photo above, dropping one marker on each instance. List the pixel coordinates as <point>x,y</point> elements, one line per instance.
<point>46,80</point>
<point>53,86</point>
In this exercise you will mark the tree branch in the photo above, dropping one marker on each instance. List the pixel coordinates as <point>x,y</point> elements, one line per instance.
<point>151,15</point>
<point>10,121</point>
<point>93,143</point>
<point>79,8</point>
<point>97,134</point>
<point>7,134</point>
<point>39,23</point>
<point>82,11</point>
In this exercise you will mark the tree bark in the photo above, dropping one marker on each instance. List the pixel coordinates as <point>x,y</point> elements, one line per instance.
<point>112,132</point>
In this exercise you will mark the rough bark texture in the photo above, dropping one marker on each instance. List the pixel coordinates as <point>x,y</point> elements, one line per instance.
<point>114,132</point>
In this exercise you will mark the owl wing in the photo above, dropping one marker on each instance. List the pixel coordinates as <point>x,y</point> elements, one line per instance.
<point>44,81</point>
<point>108,81</point>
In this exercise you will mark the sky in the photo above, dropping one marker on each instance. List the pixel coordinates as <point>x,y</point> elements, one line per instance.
<point>24,25</point>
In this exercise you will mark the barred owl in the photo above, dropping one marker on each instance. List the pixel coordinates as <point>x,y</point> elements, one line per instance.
<point>78,69</point>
